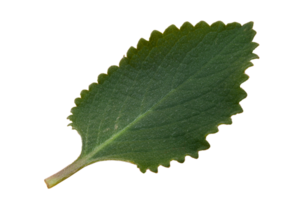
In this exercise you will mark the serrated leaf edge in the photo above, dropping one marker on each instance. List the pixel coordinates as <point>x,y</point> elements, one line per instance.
<point>141,42</point>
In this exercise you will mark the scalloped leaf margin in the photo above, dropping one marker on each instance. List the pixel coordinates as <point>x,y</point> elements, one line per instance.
<point>153,36</point>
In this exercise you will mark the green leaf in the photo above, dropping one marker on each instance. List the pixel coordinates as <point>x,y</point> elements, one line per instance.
<point>165,97</point>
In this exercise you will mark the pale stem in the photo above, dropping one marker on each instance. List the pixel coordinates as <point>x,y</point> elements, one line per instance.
<point>65,173</point>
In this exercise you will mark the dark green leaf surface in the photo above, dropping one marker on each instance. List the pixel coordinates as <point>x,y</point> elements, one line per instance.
<point>165,97</point>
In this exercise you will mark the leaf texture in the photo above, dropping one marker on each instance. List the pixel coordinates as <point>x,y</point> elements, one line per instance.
<point>165,97</point>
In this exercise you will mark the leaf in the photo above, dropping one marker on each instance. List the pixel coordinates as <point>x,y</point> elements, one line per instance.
<point>165,97</point>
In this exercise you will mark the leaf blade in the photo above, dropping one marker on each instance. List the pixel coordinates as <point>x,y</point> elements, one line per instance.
<point>167,95</point>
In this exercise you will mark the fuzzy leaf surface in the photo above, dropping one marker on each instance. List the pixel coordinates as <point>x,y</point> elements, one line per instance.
<point>166,96</point>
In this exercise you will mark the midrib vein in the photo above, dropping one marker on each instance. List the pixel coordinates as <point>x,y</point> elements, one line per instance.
<point>116,135</point>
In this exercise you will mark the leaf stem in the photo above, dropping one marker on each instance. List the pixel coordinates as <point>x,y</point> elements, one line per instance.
<point>65,173</point>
